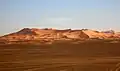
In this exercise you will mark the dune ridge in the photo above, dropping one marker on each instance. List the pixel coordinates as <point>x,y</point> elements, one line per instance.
<point>55,34</point>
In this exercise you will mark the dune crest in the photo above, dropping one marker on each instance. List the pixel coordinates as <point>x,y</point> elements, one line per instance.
<point>55,34</point>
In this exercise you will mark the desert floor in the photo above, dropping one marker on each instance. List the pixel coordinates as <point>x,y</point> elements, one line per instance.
<point>60,57</point>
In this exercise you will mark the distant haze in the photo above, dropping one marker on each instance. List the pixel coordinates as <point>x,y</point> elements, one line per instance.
<point>90,14</point>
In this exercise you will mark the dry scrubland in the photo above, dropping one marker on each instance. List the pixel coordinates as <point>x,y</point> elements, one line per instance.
<point>60,56</point>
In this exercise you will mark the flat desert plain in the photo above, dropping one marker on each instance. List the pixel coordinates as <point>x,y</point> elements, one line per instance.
<point>63,56</point>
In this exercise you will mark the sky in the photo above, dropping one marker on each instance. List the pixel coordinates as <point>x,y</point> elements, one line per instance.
<point>75,14</point>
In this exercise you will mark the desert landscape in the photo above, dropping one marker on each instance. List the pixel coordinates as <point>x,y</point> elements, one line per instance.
<point>33,49</point>
<point>59,35</point>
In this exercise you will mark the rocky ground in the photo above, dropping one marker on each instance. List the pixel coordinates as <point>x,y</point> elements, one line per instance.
<point>60,56</point>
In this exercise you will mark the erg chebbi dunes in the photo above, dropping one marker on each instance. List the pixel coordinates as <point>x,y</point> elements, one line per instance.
<point>55,34</point>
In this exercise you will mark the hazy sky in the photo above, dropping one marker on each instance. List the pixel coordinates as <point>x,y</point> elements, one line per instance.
<point>91,14</point>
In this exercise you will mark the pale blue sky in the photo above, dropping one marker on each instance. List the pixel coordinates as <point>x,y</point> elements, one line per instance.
<point>91,14</point>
